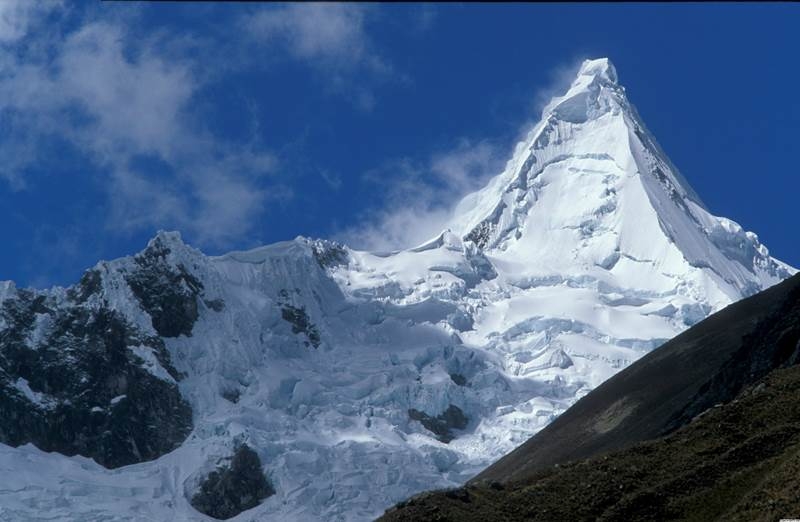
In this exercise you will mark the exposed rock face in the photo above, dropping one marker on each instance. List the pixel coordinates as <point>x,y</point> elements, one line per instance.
<point>233,488</point>
<point>458,379</point>
<point>443,424</point>
<point>298,318</point>
<point>82,380</point>
<point>168,293</point>
<point>328,253</point>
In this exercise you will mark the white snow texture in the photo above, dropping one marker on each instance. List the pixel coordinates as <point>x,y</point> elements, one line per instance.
<point>586,252</point>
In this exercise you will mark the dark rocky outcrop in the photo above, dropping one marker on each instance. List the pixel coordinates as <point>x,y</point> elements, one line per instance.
<point>480,234</point>
<point>297,317</point>
<point>77,378</point>
<point>168,293</point>
<point>78,387</point>
<point>89,285</point>
<point>234,487</point>
<point>217,305</point>
<point>443,424</point>
<point>458,379</point>
<point>231,395</point>
<point>328,253</point>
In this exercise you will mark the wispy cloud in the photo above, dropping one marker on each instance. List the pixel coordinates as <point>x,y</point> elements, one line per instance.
<point>332,39</point>
<point>419,197</point>
<point>17,16</point>
<point>126,98</point>
<point>558,80</point>
<point>118,99</point>
<point>330,34</point>
<point>424,18</point>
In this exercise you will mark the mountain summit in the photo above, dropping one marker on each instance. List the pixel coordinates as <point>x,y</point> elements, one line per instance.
<point>343,381</point>
<point>590,190</point>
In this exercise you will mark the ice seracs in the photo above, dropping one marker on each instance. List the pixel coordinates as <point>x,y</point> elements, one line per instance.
<point>583,100</point>
<point>346,371</point>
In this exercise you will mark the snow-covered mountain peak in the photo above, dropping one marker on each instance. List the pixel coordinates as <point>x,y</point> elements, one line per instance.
<point>360,378</point>
<point>599,67</point>
<point>167,238</point>
<point>171,244</point>
<point>593,93</point>
<point>591,191</point>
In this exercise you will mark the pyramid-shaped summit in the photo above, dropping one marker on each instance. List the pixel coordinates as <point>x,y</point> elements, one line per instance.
<point>358,379</point>
<point>590,191</point>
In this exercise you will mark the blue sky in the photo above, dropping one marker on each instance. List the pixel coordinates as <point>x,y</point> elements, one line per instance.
<point>245,124</point>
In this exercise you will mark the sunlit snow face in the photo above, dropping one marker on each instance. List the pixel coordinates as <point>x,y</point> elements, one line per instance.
<point>360,378</point>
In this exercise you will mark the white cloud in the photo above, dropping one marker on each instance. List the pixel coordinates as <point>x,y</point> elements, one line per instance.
<point>466,167</point>
<point>332,39</point>
<point>118,99</point>
<point>17,16</point>
<point>332,34</point>
<point>123,96</point>
<point>331,179</point>
<point>420,197</point>
<point>423,18</point>
<point>136,105</point>
<point>400,227</point>
<point>559,78</point>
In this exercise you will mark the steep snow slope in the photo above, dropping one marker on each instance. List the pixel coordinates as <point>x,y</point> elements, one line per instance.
<point>347,371</point>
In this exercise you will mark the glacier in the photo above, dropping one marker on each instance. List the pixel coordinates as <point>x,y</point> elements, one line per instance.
<point>589,250</point>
